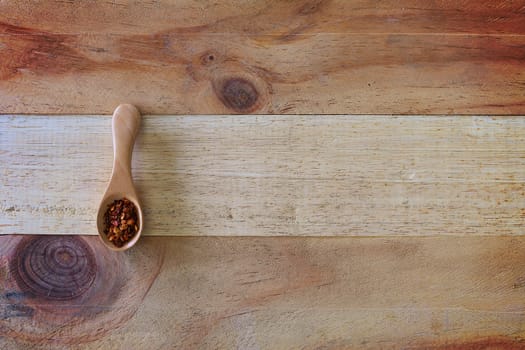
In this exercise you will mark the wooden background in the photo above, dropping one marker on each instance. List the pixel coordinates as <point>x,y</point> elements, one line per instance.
<point>321,222</point>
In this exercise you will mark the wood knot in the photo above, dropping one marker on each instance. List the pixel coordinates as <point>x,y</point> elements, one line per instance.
<point>68,289</point>
<point>208,58</point>
<point>54,267</point>
<point>238,94</point>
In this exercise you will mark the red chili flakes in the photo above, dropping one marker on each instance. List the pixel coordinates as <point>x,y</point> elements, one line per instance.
<point>121,221</point>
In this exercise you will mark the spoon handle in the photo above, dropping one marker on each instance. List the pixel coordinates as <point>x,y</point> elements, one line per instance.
<point>125,126</point>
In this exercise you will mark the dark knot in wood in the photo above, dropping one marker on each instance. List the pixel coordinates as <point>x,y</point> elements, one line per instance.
<point>208,58</point>
<point>238,94</point>
<point>54,267</point>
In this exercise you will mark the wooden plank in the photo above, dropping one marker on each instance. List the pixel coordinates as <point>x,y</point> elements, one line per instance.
<point>283,293</point>
<point>269,16</point>
<point>339,57</point>
<point>272,175</point>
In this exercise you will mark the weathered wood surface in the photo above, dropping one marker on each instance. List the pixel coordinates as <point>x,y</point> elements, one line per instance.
<point>272,175</point>
<point>275,57</point>
<point>266,175</point>
<point>282,293</point>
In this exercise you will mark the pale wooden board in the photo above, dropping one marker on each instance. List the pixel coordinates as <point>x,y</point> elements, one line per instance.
<point>187,57</point>
<point>293,293</point>
<point>272,175</point>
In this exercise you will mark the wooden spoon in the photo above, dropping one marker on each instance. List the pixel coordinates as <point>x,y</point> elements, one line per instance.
<point>125,126</point>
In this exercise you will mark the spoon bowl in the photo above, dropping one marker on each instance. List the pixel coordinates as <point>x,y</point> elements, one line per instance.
<point>125,126</point>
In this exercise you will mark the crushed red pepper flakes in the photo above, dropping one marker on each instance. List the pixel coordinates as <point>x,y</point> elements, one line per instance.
<point>121,221</point>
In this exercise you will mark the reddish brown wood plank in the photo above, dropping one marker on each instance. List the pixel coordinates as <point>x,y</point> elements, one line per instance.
<point>293,57</point>
<point>268,16</point>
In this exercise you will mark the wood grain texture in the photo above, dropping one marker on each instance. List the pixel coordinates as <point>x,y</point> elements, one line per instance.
<point>272,175</point>
<point>264,57</point>
<point>311,293</point>
<point>70,289</point>
<point>268,16</point>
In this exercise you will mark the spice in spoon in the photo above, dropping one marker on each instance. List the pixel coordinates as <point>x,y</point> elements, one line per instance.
<point>121,221</point>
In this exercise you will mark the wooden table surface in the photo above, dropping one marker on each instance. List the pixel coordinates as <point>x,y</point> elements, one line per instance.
<point>315,174</point>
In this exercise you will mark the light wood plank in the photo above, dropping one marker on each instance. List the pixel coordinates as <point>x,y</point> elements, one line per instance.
<point>272,175</point>
<point>194,57</point>
<point>298,293</point>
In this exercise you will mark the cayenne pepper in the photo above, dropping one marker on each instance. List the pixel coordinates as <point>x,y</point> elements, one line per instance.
<point>121,221</point>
